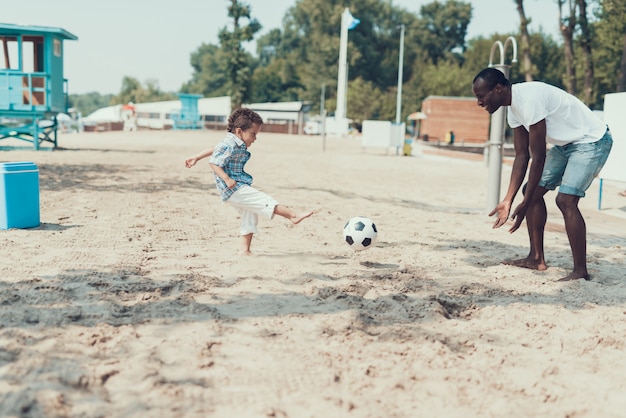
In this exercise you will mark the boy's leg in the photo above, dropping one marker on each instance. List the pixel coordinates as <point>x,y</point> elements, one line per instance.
<point>250,199</point>
<point>249,223</point>
<point>246,240</point>
<point>287,213</point>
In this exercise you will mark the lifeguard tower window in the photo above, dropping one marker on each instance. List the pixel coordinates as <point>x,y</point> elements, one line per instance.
<point>32,54</point>
<point>31,63</point>
<point>10,56</point>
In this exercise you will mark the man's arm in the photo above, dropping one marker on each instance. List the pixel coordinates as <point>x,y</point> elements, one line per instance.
<point>520,165</point>
<point>537,147</point>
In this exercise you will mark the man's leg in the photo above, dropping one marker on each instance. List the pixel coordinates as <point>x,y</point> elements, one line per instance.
<point>536,217</point>
<point>576,234</point>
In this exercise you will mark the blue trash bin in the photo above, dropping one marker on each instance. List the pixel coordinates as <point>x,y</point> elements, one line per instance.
<point>19,195</point>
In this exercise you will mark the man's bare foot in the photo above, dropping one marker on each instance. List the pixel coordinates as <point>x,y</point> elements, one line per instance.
<point>527,263</point>
<point>575,276</point>
<point>299,218</point>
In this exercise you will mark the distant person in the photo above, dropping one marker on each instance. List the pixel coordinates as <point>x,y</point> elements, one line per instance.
<point>129,116</point>
<point>228,159</point>
<point>539,114</point>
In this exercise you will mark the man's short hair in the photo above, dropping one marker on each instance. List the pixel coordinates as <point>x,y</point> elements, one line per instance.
<point>492,77</point>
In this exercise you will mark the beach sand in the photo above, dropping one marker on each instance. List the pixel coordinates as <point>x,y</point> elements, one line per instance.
<point>130,299</point>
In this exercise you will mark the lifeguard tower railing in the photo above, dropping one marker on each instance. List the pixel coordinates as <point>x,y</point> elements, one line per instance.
<point>32,88</point>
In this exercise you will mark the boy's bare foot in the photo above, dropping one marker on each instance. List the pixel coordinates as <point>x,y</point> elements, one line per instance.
<point>527,263</point>
<point>245,252</point>
<point>299,218</point>
<point>575,276</point>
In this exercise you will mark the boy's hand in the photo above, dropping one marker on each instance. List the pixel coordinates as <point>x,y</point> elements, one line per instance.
<point>230,183</point>
<point>190,162</point>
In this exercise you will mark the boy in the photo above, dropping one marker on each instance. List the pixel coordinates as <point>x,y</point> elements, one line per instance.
<point>227,160</point>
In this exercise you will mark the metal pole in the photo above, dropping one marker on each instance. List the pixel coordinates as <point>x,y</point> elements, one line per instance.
<point>400,65</point>
<point>399,95</point>
<point>323,116</point>
<point>342,76</point>
<point>496,135</point>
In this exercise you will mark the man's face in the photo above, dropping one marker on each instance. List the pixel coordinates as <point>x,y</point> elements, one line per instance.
<point>490,99</point>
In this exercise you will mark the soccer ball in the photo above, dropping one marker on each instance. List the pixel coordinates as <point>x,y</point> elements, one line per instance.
<point>360,233</point>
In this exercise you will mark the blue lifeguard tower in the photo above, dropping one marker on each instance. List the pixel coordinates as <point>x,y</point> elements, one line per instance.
<point>189,117</point>
<point>32,88</point>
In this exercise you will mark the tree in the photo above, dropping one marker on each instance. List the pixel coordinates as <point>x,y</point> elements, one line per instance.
<point>567,26</point>
<point>89,102</point>
<point>209,77</point>
<point>443,28</point>
<point>238,62</point>
<point>527,64</point>
<point>133,91</point>
<point>610,46</point>
<point>585,43</point>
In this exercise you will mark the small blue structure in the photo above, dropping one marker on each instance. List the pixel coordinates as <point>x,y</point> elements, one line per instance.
<point>32,88</point>
<point>189,117</point>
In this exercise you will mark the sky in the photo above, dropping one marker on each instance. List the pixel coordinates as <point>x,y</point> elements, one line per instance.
<point>153,39</point>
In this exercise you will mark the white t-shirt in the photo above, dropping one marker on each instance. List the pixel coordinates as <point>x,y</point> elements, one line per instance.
<point>567,118</point>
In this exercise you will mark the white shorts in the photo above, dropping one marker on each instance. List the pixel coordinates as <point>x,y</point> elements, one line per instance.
<point>250,203</point>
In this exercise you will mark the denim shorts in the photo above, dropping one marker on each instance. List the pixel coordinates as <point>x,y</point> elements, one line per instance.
<point>574,166</point>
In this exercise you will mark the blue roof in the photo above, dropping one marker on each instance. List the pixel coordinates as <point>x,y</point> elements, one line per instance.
<point>10,29</point>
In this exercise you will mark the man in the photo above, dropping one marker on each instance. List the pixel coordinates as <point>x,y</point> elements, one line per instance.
<point>540,114</point>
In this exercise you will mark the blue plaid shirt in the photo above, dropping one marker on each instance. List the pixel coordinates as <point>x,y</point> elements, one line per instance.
<point>232,155</point>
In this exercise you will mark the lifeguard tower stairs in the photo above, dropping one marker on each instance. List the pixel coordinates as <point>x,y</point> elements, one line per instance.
<point>32,88</point>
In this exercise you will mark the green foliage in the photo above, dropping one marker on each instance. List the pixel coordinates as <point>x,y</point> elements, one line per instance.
<point>608,47</point>
<point>238,61</point>
<point>294,62</point>
<point>89,102</point>
<point>443,28</point>
<point>133,91</point>
<point>209,77</point>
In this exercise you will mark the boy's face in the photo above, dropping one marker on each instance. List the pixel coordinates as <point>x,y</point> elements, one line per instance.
<point>249,135</point>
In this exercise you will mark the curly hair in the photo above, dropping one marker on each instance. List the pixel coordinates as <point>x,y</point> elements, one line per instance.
<point>243,118</point>
<point>492,77</point>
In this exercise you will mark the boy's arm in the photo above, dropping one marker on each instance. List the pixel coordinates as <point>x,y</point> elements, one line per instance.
<point>219,171</point>
<point>191,161</point>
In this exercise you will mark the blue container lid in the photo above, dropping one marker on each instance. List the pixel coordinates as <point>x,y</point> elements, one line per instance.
<point>16,167</point>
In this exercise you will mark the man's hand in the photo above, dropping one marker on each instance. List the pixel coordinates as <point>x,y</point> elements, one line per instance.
<point>503,209</point>
<point>518,216</point>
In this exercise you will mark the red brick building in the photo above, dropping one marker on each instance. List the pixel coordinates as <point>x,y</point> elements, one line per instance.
<point>461,115</point>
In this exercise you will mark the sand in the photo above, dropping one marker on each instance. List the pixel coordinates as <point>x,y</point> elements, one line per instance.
<point>130,299</point>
